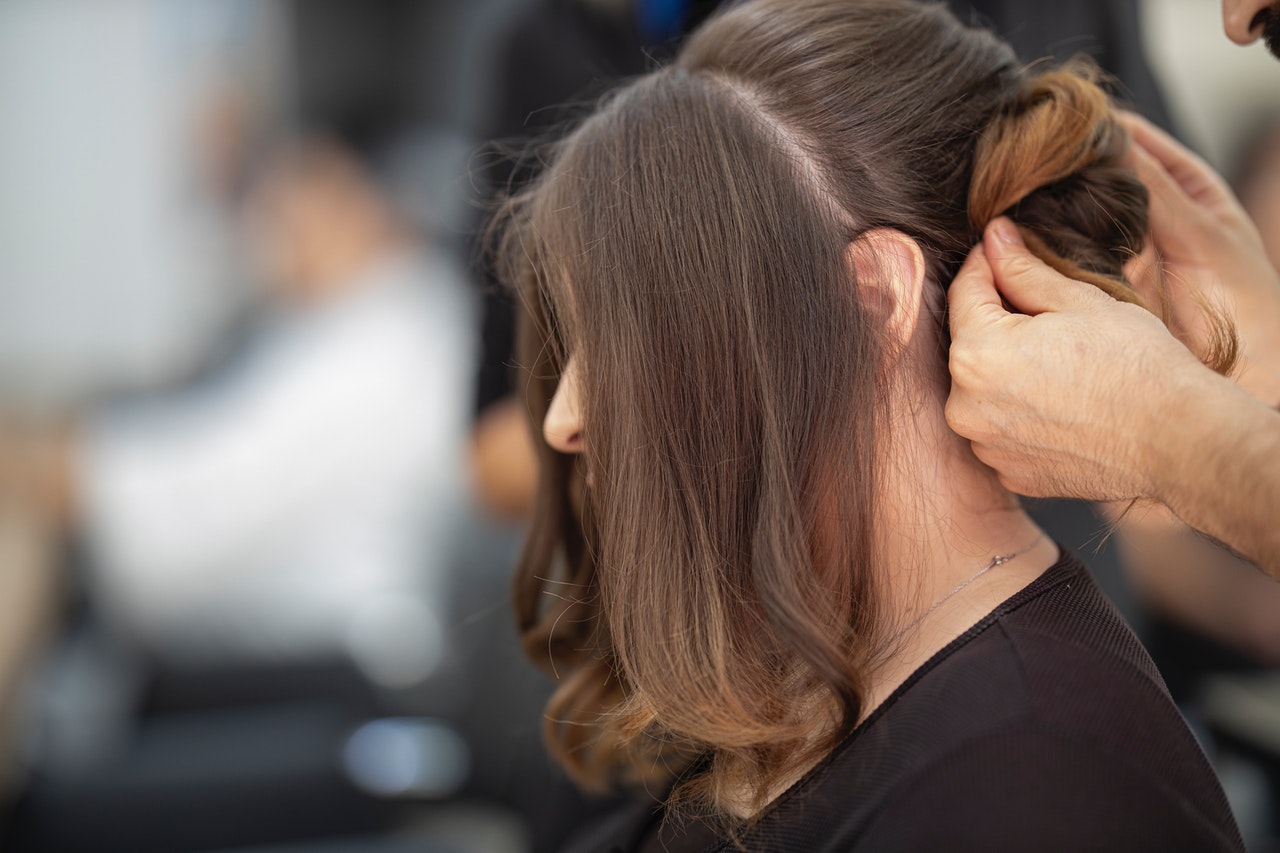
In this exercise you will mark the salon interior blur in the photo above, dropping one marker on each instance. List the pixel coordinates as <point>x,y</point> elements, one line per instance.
<point>263,474</point>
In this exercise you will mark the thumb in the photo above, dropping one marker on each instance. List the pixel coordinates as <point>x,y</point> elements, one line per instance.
<point>1027,283</point>
<point>972,299</point>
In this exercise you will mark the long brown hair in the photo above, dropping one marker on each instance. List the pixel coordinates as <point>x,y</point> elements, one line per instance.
<point>687,244</point>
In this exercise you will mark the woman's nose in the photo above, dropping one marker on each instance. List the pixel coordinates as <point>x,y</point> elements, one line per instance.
<point>562,427</point>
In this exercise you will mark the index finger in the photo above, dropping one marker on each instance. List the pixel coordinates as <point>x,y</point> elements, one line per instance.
<point>1170,208</point>
<point>1196,177</point>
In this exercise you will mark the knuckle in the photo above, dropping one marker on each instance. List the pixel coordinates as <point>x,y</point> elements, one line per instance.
<point>1010,483</point>
<point>1018,482</point>
<point>956,413</point>
<point>970,423</point>
<point>964,361</point>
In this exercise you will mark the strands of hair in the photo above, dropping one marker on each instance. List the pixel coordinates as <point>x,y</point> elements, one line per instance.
<point>1060,128</point>
<point>711,605</point>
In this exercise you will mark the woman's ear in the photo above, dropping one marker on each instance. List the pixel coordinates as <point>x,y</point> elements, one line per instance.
<point>889,269</point>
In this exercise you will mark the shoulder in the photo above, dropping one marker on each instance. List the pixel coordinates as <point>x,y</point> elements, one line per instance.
<point>1028,788</point>
<point>1045,727</point>
<point>1086,723</point>
<point>1085,675</point>
<point>1056,656</point>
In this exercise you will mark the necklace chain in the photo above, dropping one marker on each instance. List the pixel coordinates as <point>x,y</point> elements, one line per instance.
<point>997,560</point>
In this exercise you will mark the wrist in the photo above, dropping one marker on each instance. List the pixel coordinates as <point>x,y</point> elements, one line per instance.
<point>1182,426</point>
<point>1207,436</point>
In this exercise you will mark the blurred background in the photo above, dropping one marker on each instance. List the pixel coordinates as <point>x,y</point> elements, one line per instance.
<point>261,475</point>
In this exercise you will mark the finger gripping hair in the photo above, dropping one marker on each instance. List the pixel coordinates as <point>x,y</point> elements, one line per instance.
<point>1053,159</point>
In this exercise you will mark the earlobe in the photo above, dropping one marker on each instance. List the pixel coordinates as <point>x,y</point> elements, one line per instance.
<point>890,271</point>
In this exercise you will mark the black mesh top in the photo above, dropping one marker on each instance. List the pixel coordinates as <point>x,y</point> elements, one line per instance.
<point>1045,727</point>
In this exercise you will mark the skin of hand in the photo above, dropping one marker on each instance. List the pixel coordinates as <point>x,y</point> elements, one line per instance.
<point>1043,391</point>
<point>1205,244</point>
<point>1083,396</point>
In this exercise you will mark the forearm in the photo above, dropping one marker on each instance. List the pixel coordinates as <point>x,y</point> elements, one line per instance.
<point>1217,466</point>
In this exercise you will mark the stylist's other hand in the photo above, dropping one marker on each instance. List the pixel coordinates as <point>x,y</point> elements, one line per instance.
<point>1207,243</point>
<point>1063,399</point>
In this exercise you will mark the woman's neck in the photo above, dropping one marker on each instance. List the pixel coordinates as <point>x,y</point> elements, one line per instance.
<point>946,519</point>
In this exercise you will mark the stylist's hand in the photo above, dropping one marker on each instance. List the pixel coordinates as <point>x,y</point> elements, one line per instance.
<point>1207,243</point>
<point>1063,399</point>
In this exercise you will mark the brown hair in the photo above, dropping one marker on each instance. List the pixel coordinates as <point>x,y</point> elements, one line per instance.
<point>687,243</point>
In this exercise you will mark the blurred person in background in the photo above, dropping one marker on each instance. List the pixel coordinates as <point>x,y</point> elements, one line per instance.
<point>294,506</point>
<point>118,269</point>
<point>255,483</point>
<point>283,508</point>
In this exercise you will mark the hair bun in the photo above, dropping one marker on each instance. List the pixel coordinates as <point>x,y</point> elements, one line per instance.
<point>1053,160</point>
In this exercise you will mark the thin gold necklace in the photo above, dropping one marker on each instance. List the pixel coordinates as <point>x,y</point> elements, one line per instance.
<point>997,560</point>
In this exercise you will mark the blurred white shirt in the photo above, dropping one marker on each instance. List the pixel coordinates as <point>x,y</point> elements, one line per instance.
<point>118,268</point>
<point>303,506</point>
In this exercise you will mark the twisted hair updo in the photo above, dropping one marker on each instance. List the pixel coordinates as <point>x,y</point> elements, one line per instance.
<point>1053,159</point>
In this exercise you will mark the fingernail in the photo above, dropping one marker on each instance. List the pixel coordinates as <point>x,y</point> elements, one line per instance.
<point>1004,231</point>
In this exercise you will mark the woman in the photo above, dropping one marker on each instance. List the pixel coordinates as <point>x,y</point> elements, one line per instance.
<point>780,596</point>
